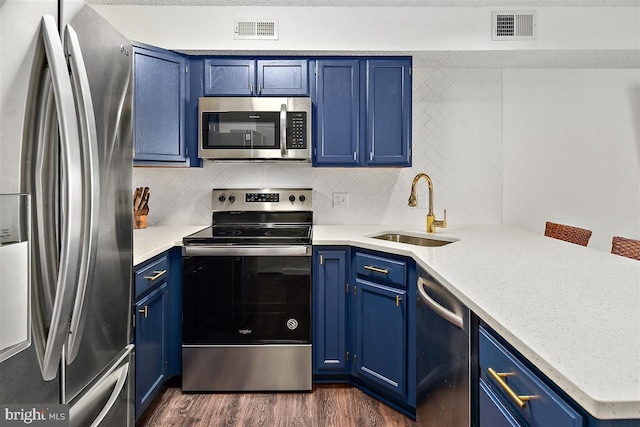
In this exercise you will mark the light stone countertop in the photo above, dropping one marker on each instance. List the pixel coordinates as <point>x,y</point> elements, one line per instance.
<point>574,312</point>
<point>151,241</point>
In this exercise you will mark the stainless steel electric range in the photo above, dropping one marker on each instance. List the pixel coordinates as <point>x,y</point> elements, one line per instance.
<point>247,293</point>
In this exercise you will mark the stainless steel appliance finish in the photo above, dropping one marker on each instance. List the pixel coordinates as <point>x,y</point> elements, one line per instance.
<point>254,128</point>
<point>74,155</point>
<point>443,388</point>
<point>269,367</point>
<point>247,294</point>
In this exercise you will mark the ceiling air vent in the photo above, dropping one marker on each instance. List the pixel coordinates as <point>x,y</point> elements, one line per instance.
<point>247,29</point>
<point>513,26</point>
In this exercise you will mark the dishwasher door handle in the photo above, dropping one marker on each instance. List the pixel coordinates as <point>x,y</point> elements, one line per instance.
<point>443,312</point>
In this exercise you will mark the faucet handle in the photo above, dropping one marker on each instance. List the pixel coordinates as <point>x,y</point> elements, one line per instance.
<point>443,223</point>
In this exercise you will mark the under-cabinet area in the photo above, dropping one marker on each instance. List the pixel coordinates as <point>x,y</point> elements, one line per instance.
<point>369,327</point>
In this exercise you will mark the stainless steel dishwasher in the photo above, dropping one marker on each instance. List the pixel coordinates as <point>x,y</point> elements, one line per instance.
<point>443,360</point>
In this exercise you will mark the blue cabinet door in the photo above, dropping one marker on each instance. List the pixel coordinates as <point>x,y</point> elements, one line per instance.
<point>338,127</point>
<point>251,77</point>
<point>283,77</point>
<point>388,140</point>
<point>381,331</point>
<point>151,346</point>
<point>492,412</point>
<point>329,299</point>
<point>229,77</point>
<point>159,104</point>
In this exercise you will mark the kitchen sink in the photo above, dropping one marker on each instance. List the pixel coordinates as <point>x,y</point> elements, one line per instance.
<point>412,240</point>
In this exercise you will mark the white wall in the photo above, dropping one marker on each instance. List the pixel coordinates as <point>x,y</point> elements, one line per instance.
<point>572,150</point>
<point>375,29</point>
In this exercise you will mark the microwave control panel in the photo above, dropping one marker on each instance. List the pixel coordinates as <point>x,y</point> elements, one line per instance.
<point>296,130</point>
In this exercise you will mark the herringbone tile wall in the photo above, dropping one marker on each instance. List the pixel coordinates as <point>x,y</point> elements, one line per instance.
<point>456,140</point>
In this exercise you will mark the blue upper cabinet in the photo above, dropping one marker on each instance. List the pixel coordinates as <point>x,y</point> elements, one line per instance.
<point>363,112</point>
<point>251,77</point>
<point>283,77</point>
<point>229,77</point>
<point>337,98</point>
<point>388,113</point>
<point>159,107</point>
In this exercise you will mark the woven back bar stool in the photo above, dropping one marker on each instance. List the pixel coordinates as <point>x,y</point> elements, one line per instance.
<point>568,233</point>
<point>625,247</point>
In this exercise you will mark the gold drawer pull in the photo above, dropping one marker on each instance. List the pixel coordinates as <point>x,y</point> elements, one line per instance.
<point>156,275</point>
<point>398,299</point>
<point>376,269</point>
<point>521,401</point>
<point>144,311</point>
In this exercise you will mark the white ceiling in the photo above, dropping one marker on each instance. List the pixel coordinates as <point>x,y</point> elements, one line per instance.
<point>378,3</point>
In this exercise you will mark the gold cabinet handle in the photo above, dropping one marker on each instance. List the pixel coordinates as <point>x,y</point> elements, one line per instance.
<point>156,275</point>
<point>398,299</point>
<point>376,269</point>
<point>521,401</point>
<point>144,311</point>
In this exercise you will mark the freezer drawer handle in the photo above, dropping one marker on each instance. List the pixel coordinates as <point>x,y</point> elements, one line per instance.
<point>521,401</point>
<point>156,275</point>
<point>115,381</point>
<point>449,316</point>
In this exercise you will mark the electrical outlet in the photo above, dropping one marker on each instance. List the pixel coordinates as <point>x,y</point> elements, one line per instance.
<point>422,201</point>
<point>341,200</point>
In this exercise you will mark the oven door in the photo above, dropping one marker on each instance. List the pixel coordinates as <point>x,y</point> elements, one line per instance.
<point>246,296</point>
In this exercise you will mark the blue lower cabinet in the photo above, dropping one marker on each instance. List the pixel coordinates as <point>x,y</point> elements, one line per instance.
<point>330,314</point>
<point>363,324</point>
<point>492,411</point>
<point>508,378</point>
<point>151,337</point>
<point>157,315</point>
<point>381,336</point>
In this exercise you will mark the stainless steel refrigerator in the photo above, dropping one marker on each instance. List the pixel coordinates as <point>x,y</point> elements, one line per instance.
<point>66,140</point>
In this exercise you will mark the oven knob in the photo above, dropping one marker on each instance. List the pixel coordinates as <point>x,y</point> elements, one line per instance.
<point>222,198</point>
<point>292,198</point>
<point>302,198</point>
<point>232,198</point>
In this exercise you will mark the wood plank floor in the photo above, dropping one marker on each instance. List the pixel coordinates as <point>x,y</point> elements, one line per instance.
<point>326,406</point>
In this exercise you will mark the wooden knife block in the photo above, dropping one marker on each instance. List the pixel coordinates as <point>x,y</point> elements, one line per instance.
<point>139,221</point>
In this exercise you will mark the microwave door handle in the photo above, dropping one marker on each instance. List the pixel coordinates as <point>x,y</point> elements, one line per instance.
<point>283,130</point>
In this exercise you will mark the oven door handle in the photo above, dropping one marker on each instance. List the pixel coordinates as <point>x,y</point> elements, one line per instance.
<point>262,250</point>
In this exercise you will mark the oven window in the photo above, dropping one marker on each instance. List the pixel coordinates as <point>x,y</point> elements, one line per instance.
<point>231,300</point>
<point>241,130</point>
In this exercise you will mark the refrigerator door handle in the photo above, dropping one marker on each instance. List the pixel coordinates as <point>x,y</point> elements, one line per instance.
<point>49,346</point>
<point>90,187</point>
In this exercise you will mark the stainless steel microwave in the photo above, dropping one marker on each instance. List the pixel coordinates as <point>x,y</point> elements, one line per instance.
<point>254,128</point>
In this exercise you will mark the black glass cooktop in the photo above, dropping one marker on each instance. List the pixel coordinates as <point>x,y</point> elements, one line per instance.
<point>255,228</point>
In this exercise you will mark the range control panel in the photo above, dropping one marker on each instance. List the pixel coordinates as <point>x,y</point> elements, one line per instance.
<point>261,199</point>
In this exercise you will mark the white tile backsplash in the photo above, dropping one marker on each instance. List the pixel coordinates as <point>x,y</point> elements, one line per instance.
<point>456,140</point>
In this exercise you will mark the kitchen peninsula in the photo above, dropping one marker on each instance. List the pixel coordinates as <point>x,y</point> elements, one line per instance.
<point>573,312</point>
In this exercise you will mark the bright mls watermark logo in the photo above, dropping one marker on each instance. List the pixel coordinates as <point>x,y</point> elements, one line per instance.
<point>34,415</point>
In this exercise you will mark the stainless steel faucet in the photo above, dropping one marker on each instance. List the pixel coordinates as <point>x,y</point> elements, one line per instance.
<point>432,222</point>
